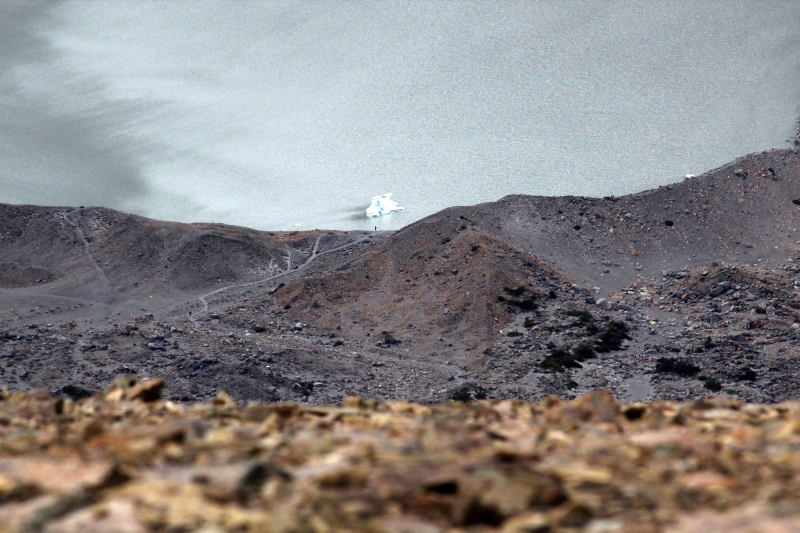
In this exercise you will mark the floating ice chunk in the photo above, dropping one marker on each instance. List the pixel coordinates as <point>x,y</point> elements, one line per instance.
<point>382,205</point>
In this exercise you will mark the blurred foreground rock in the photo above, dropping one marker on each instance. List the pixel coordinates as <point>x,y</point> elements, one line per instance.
<point>126,461</point>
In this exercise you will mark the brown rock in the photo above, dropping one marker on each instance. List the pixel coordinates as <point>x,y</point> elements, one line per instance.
<point>112,516</point>
<point>146,391</point>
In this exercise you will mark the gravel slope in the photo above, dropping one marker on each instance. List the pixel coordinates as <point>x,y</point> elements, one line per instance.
<point>524,297</point>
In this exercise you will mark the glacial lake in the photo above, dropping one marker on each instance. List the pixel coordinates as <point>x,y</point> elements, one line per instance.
<point>293,114</point>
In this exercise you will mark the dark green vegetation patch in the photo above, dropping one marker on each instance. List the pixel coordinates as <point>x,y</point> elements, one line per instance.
<point>468,392</point>
<point>560,359</point>
<point>746,373</point>
<point>711,383</point>
<point>608,339</point>
<point>581,314</point>
<point>680,367</point>
<point>521,298</point>
<point>611,339</point>
<point>516,293</point>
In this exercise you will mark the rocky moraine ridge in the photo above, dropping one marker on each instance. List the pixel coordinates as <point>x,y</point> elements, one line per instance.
<point>680,292</point>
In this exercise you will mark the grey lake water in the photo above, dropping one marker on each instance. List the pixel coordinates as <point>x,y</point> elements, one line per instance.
<point>293,114</point>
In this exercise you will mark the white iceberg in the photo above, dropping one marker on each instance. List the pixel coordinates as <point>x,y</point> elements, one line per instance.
<point>382,205</point>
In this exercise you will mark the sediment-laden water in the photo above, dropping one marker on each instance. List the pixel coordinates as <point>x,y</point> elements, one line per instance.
<point>286,115</point>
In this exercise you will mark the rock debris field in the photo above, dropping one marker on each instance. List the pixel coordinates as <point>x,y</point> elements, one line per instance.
<point>127,461</point>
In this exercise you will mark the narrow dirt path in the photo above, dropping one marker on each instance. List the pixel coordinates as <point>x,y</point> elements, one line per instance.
<point>86,301</point>
<point>288,257</point>
<point>65,216</point>
<point>203,298</point>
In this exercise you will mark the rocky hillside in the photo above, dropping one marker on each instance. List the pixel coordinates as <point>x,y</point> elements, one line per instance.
<point>116,256</point>
<point>444,284</point>
<point>680,292</point>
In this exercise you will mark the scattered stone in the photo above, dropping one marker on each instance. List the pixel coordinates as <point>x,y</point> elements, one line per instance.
<point>591,464</point>
<point>303,387</point>
<point>603,303</point>
<point>129,388</point>
<point>719,288</point>
<point>388,340</point>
